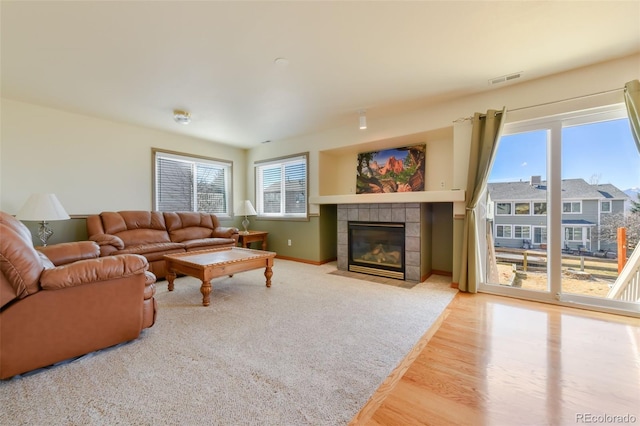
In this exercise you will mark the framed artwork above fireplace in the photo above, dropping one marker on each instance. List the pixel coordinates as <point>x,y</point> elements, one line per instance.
<point>391,170</point>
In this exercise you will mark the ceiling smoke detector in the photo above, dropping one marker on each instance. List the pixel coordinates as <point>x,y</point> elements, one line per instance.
<point>182,117</point>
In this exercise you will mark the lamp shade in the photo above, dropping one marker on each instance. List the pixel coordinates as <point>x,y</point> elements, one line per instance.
<point>246,209</point>
<point>42,207</point>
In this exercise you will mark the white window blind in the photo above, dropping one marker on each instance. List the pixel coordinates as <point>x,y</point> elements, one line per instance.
<point>281,187</point>
<point>186,183</point>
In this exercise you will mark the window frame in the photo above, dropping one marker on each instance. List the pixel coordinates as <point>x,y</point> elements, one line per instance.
<point>609,203</point>
<point>543,234</point>
<point>570,233</point>
<point>526,204</point>
<point>498,204</point>
<point>541,203</point>
<point>522,228</point>
<point>282,162</point>
<point>553,124</point>
<point>504,227</point>
<point>572,203</point>
<point>195,161</point>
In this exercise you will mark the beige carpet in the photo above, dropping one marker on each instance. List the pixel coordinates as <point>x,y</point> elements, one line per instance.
<point>310,350</point>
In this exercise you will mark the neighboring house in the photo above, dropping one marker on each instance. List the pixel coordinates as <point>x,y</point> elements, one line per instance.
<point>517,212</point>
<point>295,201</point>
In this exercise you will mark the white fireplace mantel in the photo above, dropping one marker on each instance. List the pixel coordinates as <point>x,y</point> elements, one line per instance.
<point>395,197</point>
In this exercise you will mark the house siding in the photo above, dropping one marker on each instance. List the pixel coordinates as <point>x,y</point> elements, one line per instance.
<point>513,220</point>
<point>589,216</point>
<point>617,208</point>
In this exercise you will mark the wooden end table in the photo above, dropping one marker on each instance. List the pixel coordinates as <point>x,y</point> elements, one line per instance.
<point>249,237</point>
<point>209,264</point>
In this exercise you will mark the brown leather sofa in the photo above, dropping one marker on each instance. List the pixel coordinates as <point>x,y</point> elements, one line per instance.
<point>63,301</point>
<point>153,234</point>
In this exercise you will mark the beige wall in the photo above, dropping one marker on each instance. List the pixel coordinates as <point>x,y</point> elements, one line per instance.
<point>94,164</point>
<point>327,147</point>
<point>91,164</point>
<point>341,162</point>
<point>393,131</point>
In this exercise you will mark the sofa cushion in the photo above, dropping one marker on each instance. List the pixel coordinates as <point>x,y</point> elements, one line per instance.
<point>148,249</point>
<point>203,243</point>
<point>107,240</point>
<point>64,253</point>
<point>90,271</point>
<point>136,237</point>
<point>116,222</point>
<point>192,233</point>
<point>184,226</point>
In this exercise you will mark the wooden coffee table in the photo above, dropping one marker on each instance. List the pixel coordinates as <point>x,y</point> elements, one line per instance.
<point>209,264</point>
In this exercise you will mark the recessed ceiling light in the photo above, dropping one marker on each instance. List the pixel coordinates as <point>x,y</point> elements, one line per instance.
<point>182,117</point>
<point>362,119</point>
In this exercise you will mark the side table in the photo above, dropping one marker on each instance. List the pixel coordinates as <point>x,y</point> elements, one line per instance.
<point>249,237</point>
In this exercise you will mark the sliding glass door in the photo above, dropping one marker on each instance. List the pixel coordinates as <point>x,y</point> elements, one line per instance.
<point>560,190</point>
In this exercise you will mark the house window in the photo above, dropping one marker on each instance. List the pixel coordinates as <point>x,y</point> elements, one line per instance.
<point>503,231</point>
<point>503,208</point>
<point>572,207</point>
<point>520,231</point>
<point>573,233</point>
<point>539,235</point>
<point>605,206</point>
<point>184,182</point>
<point>523,208</point>
<point>281,187</point>
<point>539,208</point>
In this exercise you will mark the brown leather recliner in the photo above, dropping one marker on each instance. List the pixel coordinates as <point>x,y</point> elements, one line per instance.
<point>63,301</point>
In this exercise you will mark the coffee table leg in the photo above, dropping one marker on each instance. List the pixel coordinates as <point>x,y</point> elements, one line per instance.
<point>205,289</point>
<point>170,277</point>
<point>268,273</point>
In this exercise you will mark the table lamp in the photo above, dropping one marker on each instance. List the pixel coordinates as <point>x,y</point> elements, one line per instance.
<point>246,209</point>
<point>43,208</point>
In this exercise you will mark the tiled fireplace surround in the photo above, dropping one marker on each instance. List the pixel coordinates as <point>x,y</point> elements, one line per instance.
<point>407,213</point>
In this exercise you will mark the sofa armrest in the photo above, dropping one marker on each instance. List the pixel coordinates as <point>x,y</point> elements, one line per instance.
<point>149,285</point>
<point>108,240</point>
<point>225,232</point>
<point>93,270</point>
<point>64,253</point>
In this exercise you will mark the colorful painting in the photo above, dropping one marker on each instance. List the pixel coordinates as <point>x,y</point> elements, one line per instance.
<point>391,170</point>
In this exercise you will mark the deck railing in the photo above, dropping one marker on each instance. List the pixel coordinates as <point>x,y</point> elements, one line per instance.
<point>627,286</point>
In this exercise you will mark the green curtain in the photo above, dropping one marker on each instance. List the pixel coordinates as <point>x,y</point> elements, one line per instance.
<point>632,100</point>
<point>485,135</point>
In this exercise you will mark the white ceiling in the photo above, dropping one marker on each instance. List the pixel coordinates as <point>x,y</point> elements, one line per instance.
<point>137,61</point>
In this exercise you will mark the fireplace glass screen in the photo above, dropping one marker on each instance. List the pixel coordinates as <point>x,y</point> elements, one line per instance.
<point>377,248</point>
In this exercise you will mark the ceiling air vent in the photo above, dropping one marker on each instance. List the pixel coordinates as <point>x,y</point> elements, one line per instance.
<point>505,78</point>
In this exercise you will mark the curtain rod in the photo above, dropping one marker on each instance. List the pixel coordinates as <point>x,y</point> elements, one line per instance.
<point>604,92</point>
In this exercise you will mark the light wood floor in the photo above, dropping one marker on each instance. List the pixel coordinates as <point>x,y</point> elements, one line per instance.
<point>499,361</point>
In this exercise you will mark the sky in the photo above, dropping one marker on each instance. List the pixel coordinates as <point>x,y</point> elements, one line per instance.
<point>382,156</point>
<point>603,152</point>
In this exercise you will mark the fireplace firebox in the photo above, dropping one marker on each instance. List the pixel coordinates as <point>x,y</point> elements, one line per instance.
<point>377,248</point>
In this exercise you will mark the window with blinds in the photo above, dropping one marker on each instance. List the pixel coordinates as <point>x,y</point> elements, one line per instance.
<point>281,187</point>
<point>189,183</point>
